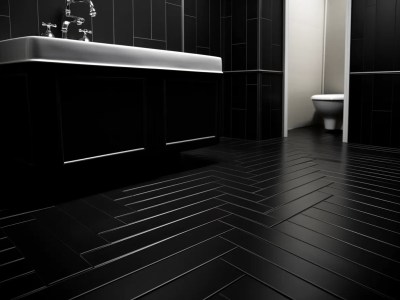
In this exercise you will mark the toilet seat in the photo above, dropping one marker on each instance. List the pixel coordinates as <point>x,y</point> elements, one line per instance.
<point>328,97</point>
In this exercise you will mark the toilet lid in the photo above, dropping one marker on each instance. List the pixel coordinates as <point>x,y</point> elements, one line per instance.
<point>328,97</point>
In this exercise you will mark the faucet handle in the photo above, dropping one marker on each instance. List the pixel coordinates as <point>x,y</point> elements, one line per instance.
<point>85,33</point>
<point>48,32</point>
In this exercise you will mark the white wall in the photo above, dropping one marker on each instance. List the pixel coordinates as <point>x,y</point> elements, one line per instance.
<point>335,46</point>
<point>304,61</point>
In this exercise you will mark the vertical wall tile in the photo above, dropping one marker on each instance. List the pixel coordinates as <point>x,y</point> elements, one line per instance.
<point>190,7</point>
<point>251,118</point>
<point>4,28</point>
<point>142,18</point>
<point>276,96</point>
<point>226,25</point>
<point>190,34</point>
<point>383,92</point>
<point>174,27</point>
<point>252,44</point>
<point>276,58</point>
<point>103,23</point>
<point>252,9</point>
<point>357,18</point>
<point>24,22</point>
<point>266,9</point>
<point>381,128</point>
<point>277,22</point>
<point>239,124</point>
<point>395,138</point>
<point>158,19</point>
<point>239,90</point>
<point>226,8</point>
<point>355,113</point>
<point>238,21</point>
<point>123,22</point>
<point>397,37</point>
<point>276,123</point>
<point>385,35</point>
<point>366,90</point>
<point>356,55</point>
<point>266,49</point>
<point>368,53</point>
<point>266,92</point>
<point>215,29</point>
<point>203,23</point>
<point>239,57</point>
<point>4,10</point>
<point>227,104</point>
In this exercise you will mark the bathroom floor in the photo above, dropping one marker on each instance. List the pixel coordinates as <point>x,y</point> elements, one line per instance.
<point>303,218</point>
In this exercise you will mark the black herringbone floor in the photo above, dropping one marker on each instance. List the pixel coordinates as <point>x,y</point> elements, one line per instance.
<point>303,218</point>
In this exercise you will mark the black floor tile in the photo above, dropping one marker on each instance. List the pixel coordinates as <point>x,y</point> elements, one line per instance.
<point>276,278</point>
<point>289,185</point>
<point>20,286</point>
<point>137,196</point>
<point>318,276</point>
<point>146,280</point>
<point>248,214</point>
<point>304,217</point>
<point>14,269</point>
<point>297,206</point>
<point>360,216</point>
<point>145,204</point>
<point>200,283</point>
<point>90,216</point>
<point>127,246</point>
<point>160,221</point>
<point>352,238</point>
<point>53,262</point>
<point>164,208</point>
<point>130,264</point>
<point>107,205</point>
<point>75,235</point>
<point>9,255</point>
<point>356,255</point>
<point>355,226</point>
<point>244,203</point>
<point>249,288</point>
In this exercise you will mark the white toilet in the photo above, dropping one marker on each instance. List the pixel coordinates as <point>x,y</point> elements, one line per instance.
<point>330,107</point>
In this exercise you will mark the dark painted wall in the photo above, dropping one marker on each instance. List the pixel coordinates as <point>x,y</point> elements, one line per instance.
<point>375,97</point>
<point>144,23</point>
<point>252,34</point>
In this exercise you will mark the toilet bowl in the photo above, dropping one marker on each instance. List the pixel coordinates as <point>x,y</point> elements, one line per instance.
<point>330,107</point>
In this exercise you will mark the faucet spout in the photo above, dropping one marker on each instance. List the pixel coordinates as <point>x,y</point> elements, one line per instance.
<point>74,19</point>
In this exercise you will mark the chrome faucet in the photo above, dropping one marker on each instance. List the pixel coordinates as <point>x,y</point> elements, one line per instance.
<point>74,19</point>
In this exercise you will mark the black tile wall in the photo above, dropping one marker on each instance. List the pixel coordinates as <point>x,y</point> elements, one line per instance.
<point>158,19</point>
<point>103,23</point>
<point>203,27</point>
<point>4,10</point>
<point>144,23</point>
<point>123,22</point>
<point>252,35</point>
<point>375,35</point>
<point>374,97</point>
<point>174,27</point>
<point>24,21</point>
<point>4,27</point>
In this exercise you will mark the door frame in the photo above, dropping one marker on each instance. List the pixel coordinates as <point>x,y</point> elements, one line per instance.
<point>346,71</point>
